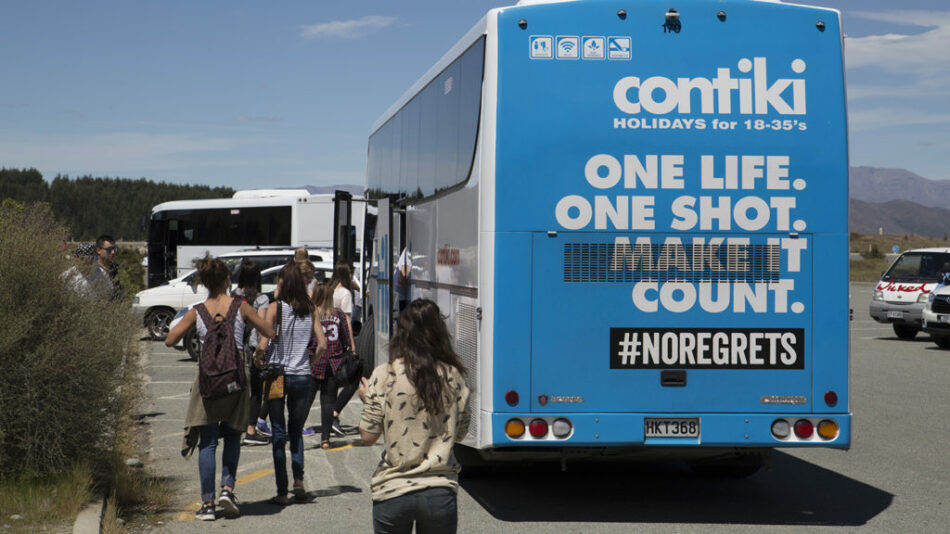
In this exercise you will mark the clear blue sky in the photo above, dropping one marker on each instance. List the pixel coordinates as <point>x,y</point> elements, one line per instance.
<point>253,94</point>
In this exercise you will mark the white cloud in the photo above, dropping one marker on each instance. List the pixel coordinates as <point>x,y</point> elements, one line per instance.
<point>900,79</point>
<point>348,29</point>
<point>924,54</point>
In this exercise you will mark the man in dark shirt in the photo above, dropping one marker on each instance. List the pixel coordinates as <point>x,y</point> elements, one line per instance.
<point>104,280</point>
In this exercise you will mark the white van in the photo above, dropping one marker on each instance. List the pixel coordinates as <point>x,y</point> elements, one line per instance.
<point>904,289</point>
<point>158,305</point>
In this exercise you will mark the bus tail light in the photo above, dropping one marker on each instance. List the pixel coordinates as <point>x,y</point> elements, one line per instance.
<point>538,428</point>
<point>511,398</point>
<point>781,429</point>
<point>828,429</point>
<point>514,428</point>
<point>561,428</point>
<point>804,428</point>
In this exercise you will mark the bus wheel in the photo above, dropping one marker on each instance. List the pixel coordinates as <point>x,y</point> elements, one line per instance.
<point>156,321</point>
<point>366,345</point>
<point>473,465</point>
<point>905,332</point>
<point>192,343</point>
<point>736,465</point>
<point>942,341</point>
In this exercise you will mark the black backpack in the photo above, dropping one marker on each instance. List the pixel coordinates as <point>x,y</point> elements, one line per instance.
<point>220,368</point>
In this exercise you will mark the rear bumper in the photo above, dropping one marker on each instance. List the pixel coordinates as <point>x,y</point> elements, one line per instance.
<point>611,430</point>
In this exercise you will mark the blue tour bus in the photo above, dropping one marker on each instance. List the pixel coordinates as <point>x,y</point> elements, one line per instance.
<point>635,221</point>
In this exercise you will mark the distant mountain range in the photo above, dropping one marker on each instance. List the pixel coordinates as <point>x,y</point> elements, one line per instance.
<point>897,201</point>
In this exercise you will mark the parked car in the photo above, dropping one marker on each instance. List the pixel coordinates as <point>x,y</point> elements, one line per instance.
<point>936,313</point>
<point>190,342</point>
<point>157,305</point>
<point>904,289</point>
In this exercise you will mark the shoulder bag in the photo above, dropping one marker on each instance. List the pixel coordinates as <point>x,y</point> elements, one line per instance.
<point>273,372</point>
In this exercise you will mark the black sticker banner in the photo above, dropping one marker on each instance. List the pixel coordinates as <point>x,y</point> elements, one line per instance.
<point>699,348</point>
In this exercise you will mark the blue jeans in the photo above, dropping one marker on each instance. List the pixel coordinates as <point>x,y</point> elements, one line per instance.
<point>434,510</point>
<point>207,445</point>
<point>297,397</point>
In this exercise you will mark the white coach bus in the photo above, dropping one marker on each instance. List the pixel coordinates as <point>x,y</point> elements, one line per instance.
<point>621,211</point>
<point>182,230</point>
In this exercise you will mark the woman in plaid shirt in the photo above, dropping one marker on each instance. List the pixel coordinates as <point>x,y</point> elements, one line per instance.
<point>336,327</point>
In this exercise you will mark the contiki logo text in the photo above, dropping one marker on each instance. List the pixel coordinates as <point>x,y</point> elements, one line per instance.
<point>659,95</point>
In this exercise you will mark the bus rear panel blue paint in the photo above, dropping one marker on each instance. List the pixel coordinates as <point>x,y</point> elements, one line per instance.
<point>680,199</point>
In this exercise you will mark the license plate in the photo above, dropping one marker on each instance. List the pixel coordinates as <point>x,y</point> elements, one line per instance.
<point>895,315</point>
<point>671,427</point>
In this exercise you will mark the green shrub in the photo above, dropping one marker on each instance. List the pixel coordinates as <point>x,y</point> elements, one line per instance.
<point>131,272</point>
<point>61,353</point>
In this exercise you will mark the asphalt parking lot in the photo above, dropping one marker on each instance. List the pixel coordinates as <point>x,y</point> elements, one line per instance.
<point>895,478</point>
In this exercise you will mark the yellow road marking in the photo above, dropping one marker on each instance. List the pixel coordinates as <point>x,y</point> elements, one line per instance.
<point>254,476</point>
<point>340,448</point>
<point>189,513</point>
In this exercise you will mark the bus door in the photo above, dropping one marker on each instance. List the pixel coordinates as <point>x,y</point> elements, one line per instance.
<point>382,294</point>
<point>344,234</point>
<point>162,251</point>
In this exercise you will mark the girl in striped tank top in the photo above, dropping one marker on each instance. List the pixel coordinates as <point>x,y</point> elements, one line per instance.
<point>292,351</point>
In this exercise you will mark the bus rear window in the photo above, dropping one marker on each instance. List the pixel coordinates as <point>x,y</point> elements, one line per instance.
<point>919,267</point>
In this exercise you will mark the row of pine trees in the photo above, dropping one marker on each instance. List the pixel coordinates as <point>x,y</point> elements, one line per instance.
<point>91,206</point>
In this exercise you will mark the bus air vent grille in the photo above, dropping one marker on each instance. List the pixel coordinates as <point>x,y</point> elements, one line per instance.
<point>466,345</point>
<point>609,262</point>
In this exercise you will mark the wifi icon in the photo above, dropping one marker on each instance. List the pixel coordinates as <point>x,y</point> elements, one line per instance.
<point>568,46</point>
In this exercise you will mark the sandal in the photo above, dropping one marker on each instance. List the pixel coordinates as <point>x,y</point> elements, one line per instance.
<point>280,500</point>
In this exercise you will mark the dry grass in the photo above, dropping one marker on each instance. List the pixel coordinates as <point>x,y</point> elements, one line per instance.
<point>47,503</point>
<point>867,244</point>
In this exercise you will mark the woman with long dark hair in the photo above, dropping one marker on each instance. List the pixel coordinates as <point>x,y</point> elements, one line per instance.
<point>296,325</point>
<point>419,403</point>
<point>336,327</point>
<point>207,419</point>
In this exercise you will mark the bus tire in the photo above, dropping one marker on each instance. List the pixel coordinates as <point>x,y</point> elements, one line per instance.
<point>366,345</point>
<point>904,331</point>
<point>942,341</point>
<point>472,462</point>
<point>733,466</point>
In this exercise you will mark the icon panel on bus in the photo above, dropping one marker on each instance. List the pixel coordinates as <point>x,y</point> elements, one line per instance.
<point>593,47</point>
<point>567,47</point>
<point>541,47</point>
<point>618,48</point>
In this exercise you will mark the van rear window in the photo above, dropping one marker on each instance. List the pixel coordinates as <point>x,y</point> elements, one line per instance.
<point>919,267</point>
